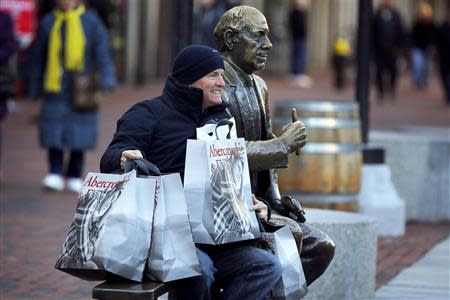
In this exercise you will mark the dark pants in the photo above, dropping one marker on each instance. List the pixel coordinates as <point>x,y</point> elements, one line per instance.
<point>340,63</point>
<point>386,73</point>
<point>445,79</point>
<point>241,272</point>
<point>298,56</point>
<point>56,162</point>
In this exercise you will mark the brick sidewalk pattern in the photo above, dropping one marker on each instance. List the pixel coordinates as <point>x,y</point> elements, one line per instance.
<point>33,222</point>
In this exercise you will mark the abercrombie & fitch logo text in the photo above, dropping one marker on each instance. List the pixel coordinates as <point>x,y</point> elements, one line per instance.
<point>215,152</point>
<point>92,182</point>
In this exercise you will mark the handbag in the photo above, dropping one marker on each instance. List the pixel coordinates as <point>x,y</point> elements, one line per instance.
<point>292,284</point>
<point>111,230</point>
<point>172,253</point>
<point>86,92</point>
<point>217,188</point>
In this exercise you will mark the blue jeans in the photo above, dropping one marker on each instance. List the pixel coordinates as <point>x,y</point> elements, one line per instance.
<point>298,56</point>
<point>420,67</point>
<point>241,272</point>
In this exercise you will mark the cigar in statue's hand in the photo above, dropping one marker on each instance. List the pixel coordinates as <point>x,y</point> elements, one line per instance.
<point>295,119</point>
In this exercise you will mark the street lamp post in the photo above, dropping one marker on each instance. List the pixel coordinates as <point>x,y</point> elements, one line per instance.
<point>363,65</point>
<point>371,153</point>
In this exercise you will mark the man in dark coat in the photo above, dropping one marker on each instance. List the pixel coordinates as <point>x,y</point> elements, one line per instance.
<point>7,48</point>
<point>443,46</point>
<point>241,38</point>
<point>158,130</point>
<point>388,42</point>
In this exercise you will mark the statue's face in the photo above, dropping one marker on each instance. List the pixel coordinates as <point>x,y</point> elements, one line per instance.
<point>252,50</point>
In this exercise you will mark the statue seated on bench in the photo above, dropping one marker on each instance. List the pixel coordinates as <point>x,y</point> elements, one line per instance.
<point>241,37</point>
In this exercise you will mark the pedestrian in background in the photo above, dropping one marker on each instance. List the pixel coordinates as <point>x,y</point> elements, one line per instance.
<point>443,46</point>
<point>388,44</point>
<point>7,49</point>
<point>341,60</point>
<point>298,27</point>
<point>206,17</point>
<point>422,35</point>
<point>70,41</point>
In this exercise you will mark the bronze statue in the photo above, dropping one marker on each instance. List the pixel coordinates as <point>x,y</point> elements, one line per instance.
<point>241,36</point>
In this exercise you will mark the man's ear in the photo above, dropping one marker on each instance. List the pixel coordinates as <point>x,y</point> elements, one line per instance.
<point>231,38</point>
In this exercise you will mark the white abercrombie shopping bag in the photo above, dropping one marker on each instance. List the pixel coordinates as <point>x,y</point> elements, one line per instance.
<point>218,192</point>
<point>292,284</point>
<point>111,229</point>
<point>172,253</point>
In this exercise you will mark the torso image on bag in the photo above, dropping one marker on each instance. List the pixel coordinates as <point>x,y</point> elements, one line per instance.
<point>231,220</point>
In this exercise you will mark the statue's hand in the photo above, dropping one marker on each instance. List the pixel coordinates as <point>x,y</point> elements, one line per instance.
<point>293,206</point>
<point>294,136</point>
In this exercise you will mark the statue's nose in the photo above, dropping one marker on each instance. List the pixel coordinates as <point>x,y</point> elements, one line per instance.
<point>267,44</point>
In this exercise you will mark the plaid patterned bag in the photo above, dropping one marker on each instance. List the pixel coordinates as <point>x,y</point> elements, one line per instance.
<point>217,189</point>
<point>111,229</point>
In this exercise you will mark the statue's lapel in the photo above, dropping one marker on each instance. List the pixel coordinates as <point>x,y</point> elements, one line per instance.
<point>245,108</point>
<point>259,94</point>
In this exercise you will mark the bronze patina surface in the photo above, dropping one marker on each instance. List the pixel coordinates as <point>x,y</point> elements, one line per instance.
<point>241,36</point>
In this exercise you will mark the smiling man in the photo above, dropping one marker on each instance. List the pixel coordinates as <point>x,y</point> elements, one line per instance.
<point>241,36</point>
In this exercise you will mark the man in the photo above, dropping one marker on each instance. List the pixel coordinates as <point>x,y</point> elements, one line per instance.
<point>443,46</point>
<point>388,42</point>
<point>158,129</point>
<point>241,38</point>
<point>298,27</point>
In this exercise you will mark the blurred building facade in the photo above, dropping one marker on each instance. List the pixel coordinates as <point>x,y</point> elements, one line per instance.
<point>147,51</point>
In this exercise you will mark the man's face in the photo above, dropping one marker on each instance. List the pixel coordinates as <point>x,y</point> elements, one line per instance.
<point>252,50</point>
<point>212,85</point>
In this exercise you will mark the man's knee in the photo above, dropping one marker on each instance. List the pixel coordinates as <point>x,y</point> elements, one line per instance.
<point>270,264</point>
<point>207,268</point>
<point>274,268</point>
<point>197,287</point>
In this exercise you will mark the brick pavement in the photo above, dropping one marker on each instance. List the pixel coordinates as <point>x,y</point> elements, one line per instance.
<point>33,222</point>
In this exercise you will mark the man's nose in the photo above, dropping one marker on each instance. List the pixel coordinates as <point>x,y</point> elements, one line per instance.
<point>220,82</point>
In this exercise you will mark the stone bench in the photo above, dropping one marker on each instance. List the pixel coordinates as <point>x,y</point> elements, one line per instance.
<point>127,290</point>
<point>418,158</point>
<point>351,274</point>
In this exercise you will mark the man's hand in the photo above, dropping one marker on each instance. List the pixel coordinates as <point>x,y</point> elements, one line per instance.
<point>129,154</point>
<point>260,208</point>
<point>294,135</point>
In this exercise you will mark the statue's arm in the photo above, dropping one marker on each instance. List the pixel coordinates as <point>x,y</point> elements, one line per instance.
<point>265,155</point>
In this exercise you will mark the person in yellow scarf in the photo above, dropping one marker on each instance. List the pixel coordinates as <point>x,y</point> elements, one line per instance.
<point>69,39</point>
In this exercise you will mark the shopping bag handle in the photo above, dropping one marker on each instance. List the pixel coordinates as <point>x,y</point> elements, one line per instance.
<point>142,166</point>
<point>224,122</point>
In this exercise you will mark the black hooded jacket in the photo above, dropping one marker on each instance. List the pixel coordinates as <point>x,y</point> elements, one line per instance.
<point>160,127</point>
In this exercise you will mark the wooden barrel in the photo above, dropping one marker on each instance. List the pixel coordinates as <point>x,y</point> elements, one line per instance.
<point>327,174</point>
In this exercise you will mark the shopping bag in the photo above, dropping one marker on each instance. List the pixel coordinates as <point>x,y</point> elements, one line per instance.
<point>292,284</point>
<point>111,229</point>
<point>172,253</point>
<point>218,191</point>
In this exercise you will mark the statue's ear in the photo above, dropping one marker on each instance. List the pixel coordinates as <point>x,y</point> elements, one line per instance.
<point>231,38</point>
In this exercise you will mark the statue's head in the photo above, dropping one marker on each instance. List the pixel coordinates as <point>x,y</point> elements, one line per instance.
<point>241,35</point>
